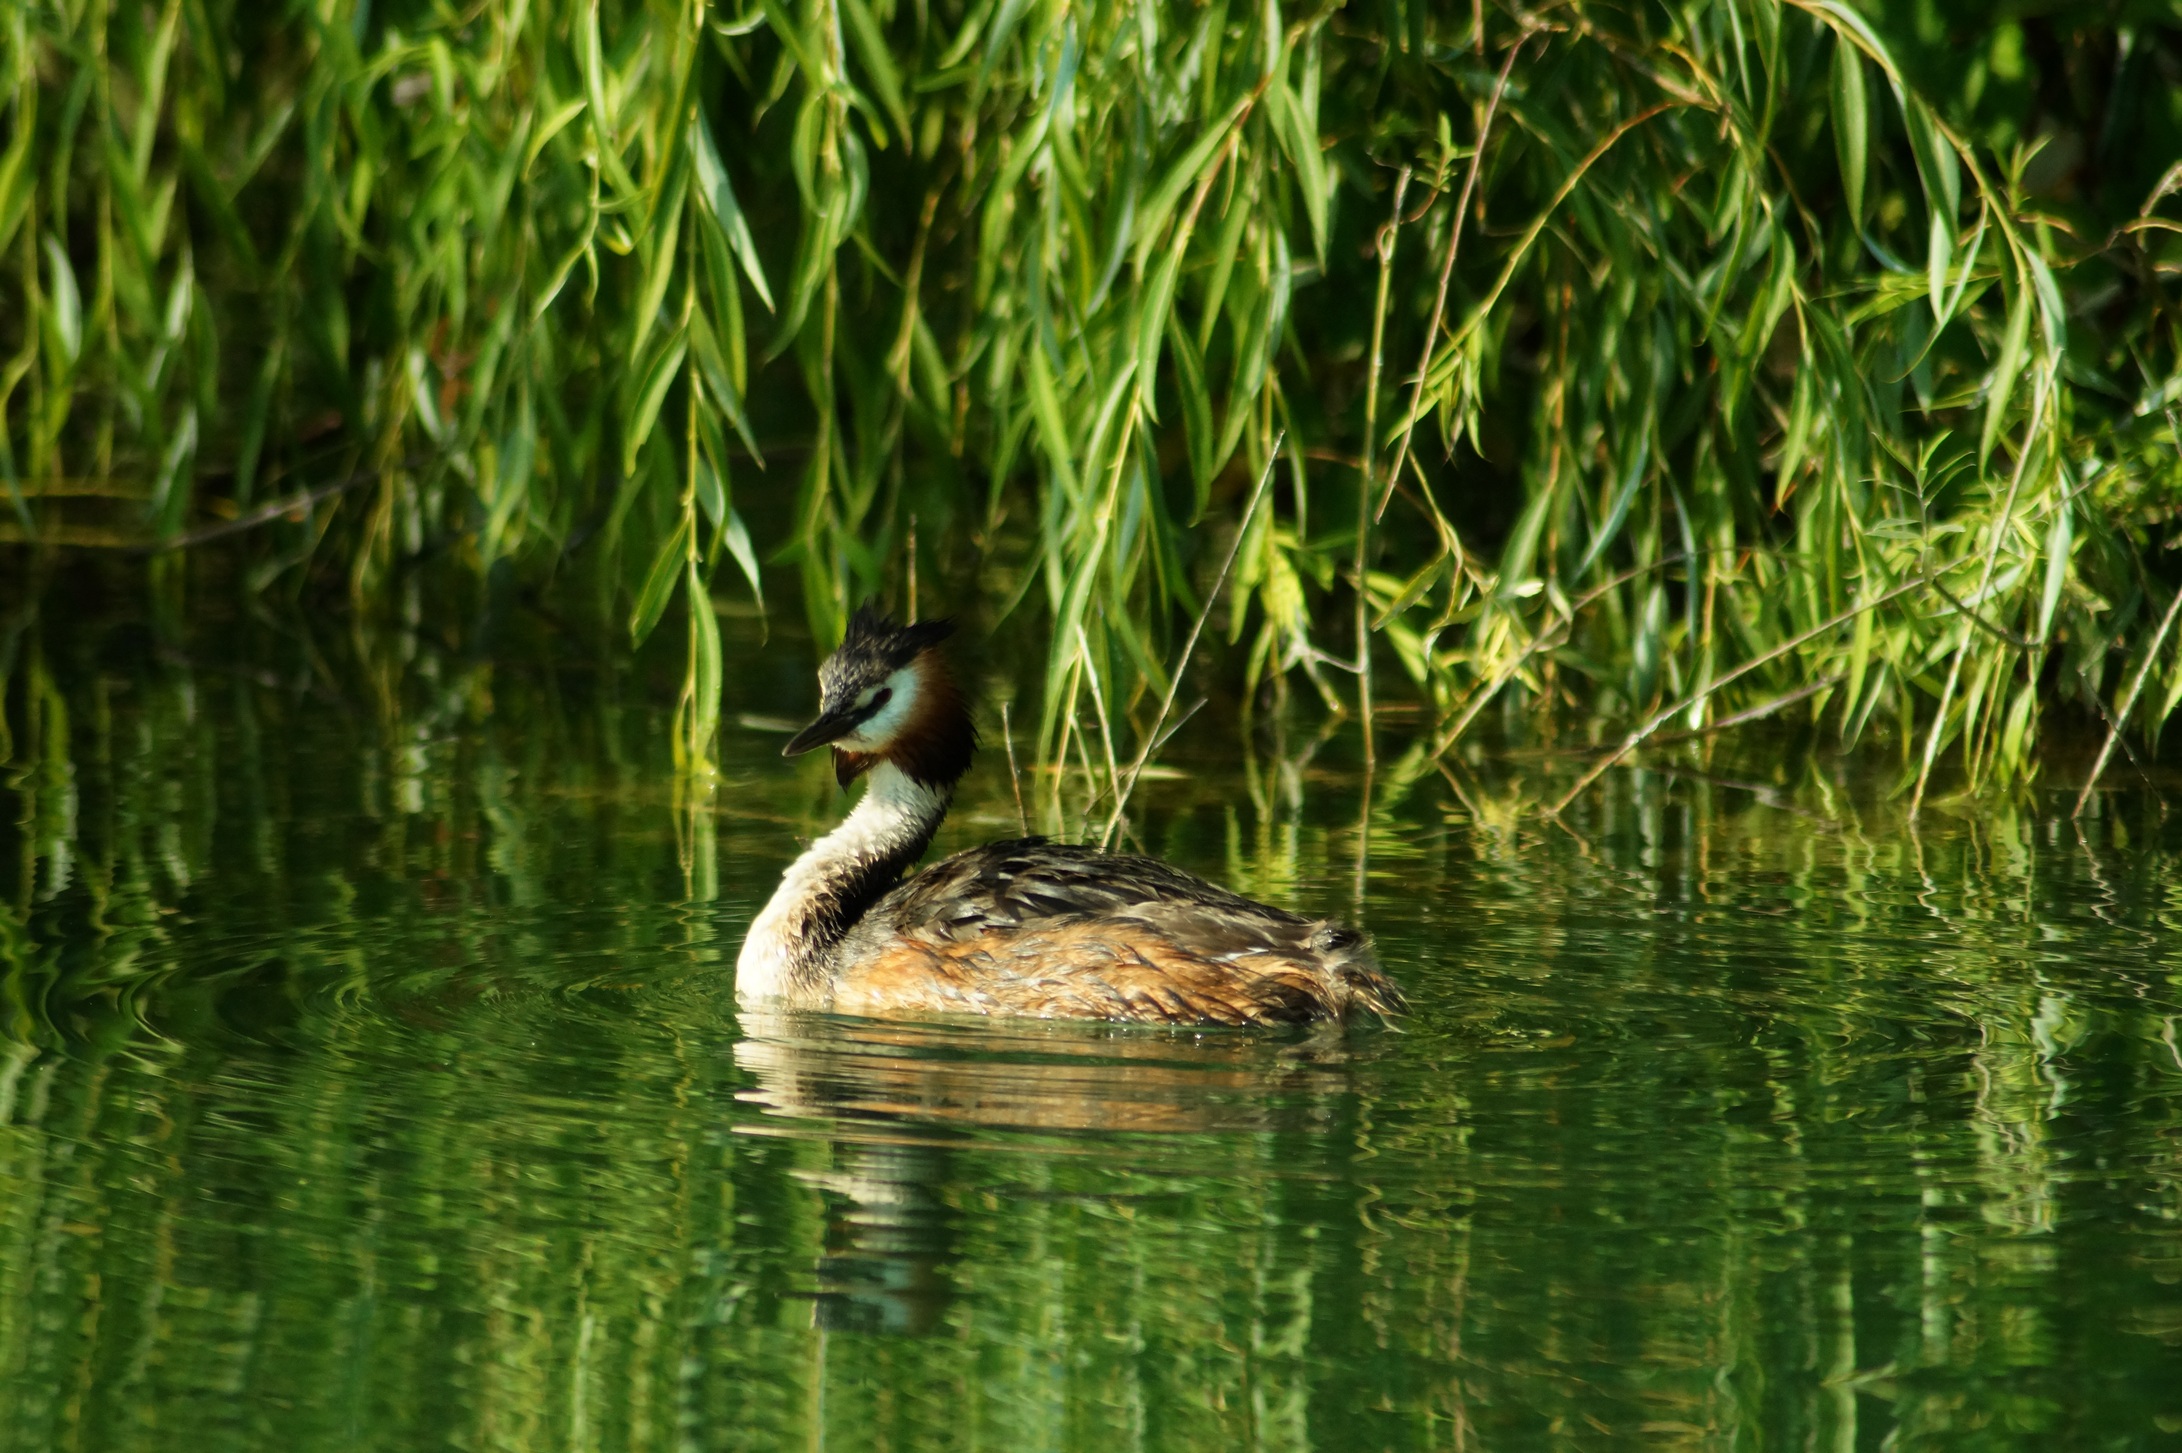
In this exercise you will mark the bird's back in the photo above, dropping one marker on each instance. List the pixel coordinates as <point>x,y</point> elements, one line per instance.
<point>1063,930</point>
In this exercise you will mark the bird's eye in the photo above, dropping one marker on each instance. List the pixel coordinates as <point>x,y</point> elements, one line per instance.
<point>884,695</point>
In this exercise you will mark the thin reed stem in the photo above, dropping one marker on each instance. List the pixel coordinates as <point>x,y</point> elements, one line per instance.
<point>1152,738</point>
<point>2128,704</point>
<point>1367,483</point>
<point>1015,773</point>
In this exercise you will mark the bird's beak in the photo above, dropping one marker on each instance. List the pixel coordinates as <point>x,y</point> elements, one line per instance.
<point>830,727</point>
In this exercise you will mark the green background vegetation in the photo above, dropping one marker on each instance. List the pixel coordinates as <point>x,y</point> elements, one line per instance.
<point>1651,363</point>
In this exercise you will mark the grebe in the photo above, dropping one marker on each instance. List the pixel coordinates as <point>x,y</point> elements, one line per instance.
<point>1025,927</point>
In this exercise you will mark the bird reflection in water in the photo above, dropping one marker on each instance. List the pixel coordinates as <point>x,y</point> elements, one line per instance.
<point>892,1099</point>
<point>888,1238</point>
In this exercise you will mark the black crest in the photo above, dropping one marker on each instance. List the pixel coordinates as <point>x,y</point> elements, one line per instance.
<point>873,648</point>
<point>872,633</point>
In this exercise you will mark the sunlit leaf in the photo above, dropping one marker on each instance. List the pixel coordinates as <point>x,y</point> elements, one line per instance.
<point>737,536</point>
<point>719,195</point>
<point>66,314</point>
<point>705,666</point>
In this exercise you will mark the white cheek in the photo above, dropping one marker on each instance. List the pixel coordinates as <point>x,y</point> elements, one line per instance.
<point>877,732</point>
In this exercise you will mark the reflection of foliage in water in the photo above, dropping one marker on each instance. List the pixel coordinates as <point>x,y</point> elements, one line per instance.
<point>372,1084</point>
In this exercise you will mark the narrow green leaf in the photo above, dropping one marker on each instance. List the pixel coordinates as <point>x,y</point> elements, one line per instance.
<point>1939,254</point>
<point>1851,124</point>
<point>720,384</point>
<point>1300,141</point>
<point>1184,174</point>
<point>255,416</point>
<point>719,195</point>
<point>2060,541</point>
<point>1632,479</point>
<point>18,179</point>
<point>1032,144</point>
<point>1151,326</point>
<point>66,315</point>
<point>170,493</point>
<point>512,484</point>
<point>1937,165</point>
<point>544,132</point>
<point>1197,428</point>
<point>593,58</point>
<point>1045,403</point>
<point>1003,27</point>
<point>1226,248</point>
<point>2052,317</point>
<point>705,670</point>
<point>1860,643</point>
<point>1795,443</point>
<point>2174,694</point>
<point>638,426</point>
<point>651,601</point>
<point>2013,345</point>
<point>878,63</point>
<point>796,43</point>
<point>737,535</point>
<point>205,186</point>
<point>663,244</point>
<point>711,493</point>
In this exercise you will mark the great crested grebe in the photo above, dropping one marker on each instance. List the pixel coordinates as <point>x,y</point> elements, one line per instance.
<point>1025,927</point>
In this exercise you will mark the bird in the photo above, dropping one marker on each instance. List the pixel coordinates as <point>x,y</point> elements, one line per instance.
<point>1026,927</point>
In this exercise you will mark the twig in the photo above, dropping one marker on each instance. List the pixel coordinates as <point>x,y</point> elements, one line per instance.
<point>1015,774</point>
<point>1447,266</point>
<point>1179,722</point>
<point>2106,714</point>
<point>912,567</point>
<point>2021,643</point>
<point>1174,682</point>
<point>264,514</point>
<point>1759,712</point>
<point>2129,704</point>
<point>1093,792</point>
<point>1366,485</point>
<point>1636,738</point>
<point>1098,704</point>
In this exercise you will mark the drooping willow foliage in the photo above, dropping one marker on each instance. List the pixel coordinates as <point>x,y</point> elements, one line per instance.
<point>1663,361</point>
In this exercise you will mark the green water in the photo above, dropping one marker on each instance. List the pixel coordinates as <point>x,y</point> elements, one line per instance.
<point>372,1080</point>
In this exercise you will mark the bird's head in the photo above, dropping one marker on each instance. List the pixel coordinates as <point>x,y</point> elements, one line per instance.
<point>886,693</point>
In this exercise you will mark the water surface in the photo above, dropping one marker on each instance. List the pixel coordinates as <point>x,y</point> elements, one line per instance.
<point>371,1079</point>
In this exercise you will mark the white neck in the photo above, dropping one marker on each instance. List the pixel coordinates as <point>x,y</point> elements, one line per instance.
<point>790,948</point>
